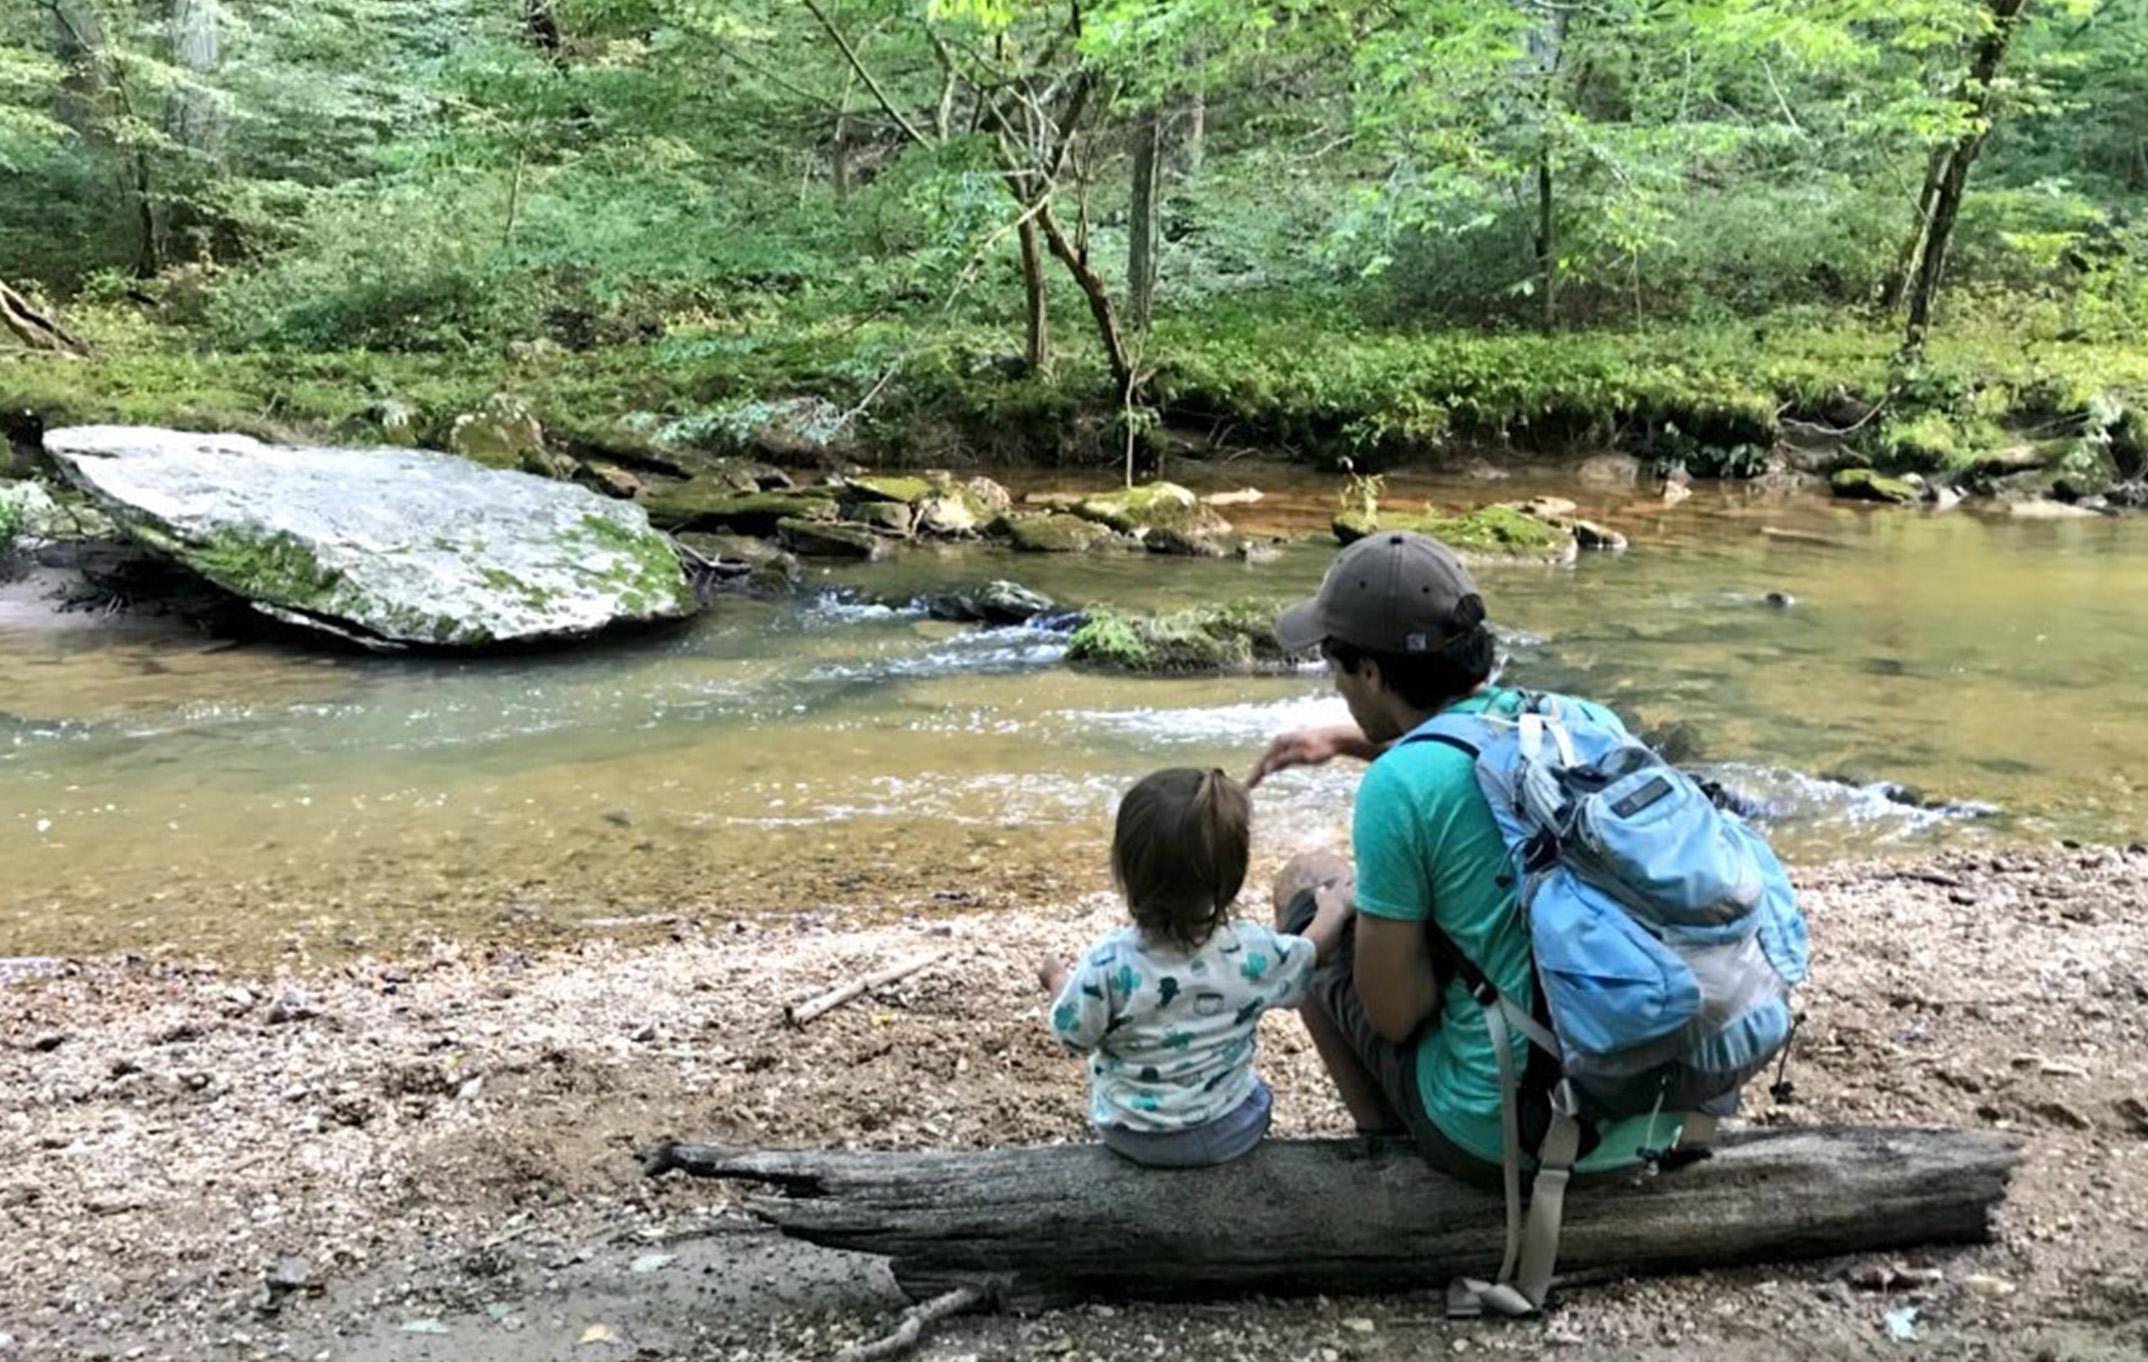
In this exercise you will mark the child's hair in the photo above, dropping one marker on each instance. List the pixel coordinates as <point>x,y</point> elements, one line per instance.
<point>1179,851</point>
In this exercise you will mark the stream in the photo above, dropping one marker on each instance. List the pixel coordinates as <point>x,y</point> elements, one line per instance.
<point>1937,678</point>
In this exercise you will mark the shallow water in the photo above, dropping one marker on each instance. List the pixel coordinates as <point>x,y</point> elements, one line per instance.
<point>156,788</point>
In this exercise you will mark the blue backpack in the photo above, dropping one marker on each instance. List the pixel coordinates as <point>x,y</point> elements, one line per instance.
<point>1666,940</point>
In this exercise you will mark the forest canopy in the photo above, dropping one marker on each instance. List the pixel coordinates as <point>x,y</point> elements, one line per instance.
<point>1141,197</point>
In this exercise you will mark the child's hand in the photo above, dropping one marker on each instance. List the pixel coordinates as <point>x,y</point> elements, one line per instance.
<point>1333,905</point>
<point>1332,908</point>
<point>1052,974</point>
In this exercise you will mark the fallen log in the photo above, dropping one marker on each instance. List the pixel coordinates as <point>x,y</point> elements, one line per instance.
<point>1050,1225</point>
<point>33,328</point>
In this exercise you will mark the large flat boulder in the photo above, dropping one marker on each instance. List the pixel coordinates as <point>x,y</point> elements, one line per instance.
<point>391,547</point>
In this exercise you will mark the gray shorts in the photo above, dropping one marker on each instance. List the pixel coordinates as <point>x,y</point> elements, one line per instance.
<point>1229,1136</point>
<point>1393,1066</point>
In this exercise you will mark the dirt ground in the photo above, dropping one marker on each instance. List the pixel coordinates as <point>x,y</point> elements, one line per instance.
<point>433,1158</point>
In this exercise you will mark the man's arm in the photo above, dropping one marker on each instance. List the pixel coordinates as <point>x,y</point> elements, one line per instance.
<point>1313,747</point>
<point>1395,979</point>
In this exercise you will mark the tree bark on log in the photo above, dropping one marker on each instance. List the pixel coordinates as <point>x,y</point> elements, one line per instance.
<point>1050,1225</point>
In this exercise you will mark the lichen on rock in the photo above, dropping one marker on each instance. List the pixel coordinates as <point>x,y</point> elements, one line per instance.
<point>391,548</point>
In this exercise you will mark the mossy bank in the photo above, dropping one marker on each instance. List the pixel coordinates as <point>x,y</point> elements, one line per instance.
<point>1825,390</point>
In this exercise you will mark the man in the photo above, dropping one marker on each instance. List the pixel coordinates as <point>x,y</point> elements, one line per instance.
<point>1403,630</point>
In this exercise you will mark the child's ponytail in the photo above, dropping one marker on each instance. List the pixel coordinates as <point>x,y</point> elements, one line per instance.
<point>1180,850</point>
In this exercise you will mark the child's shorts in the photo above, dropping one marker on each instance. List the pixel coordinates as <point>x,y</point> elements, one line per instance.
<point>1230,1135</point>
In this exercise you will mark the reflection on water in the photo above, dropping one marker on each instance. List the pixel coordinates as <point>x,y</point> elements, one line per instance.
<point>155,787</point>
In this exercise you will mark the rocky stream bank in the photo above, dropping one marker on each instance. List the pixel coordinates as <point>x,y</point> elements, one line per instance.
<point>432,1157</point>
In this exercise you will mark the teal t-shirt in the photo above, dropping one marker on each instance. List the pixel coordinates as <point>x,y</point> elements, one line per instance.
<point>1427,850</point>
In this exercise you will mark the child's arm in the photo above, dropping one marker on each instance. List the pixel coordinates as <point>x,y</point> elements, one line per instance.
<point>1081,1004</point>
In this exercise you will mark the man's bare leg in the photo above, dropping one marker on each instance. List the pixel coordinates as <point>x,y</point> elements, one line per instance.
<point>1354,1083</point>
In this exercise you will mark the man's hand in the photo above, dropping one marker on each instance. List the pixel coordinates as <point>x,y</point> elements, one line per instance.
<point>1311,747</point>
<point>1052,974</point>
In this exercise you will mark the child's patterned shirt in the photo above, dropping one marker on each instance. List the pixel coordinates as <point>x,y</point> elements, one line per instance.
<point>1169,1035</point>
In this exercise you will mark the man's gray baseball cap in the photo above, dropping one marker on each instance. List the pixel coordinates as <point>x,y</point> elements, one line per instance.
<point>1390,592</point>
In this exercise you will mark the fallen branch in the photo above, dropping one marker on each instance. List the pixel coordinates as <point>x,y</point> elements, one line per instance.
<point>798,1014</point>
<point>915,1322</point>
<point>34,328</point>
<point>1060,1223</point>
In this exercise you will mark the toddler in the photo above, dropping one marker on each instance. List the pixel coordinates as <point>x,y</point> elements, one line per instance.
<point>1165,1009</point>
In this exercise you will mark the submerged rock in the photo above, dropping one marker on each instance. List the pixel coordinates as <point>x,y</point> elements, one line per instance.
<point>1237,637</point>
<point>996,602</point>
<point>1865,484</point>
<point>826,539</point>
<point>1166,540</point>
<point>388,547</point>
<point>742,562</point>
<point>1599,538</point>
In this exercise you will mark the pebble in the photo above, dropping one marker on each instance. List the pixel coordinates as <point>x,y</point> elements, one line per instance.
<point>1984,1284</point>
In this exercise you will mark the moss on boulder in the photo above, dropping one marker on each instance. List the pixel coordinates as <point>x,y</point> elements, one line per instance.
<point>698,506</point>
<point>505,434</point>
<point>906,490</point>
<point>1490,534</point>
<point>1157,506</point>
<point>1236,637</point>
<point>1866,484</point>
<point>1057,533</point>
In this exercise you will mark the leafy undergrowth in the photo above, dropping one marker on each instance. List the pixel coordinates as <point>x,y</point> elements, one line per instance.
<point>1310,382</point>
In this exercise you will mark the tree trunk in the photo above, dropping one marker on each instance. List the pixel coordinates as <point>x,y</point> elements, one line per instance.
<point>1050,1225</point>
<point>1546,42</point>
<point>191,117</point>
<point>1546,241</point>
<point>1141,235</point>
<point>541,23</point>
<point>192,121</point>
<point>1905,265</point>
<point>1947,198</point>
<point>1098,293</point>
<point>79,43</point>
<point>1190,145</point>
<point>1038,350</point>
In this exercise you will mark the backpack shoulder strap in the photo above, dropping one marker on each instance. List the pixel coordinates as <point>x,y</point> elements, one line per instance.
<point>1465,733</point>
